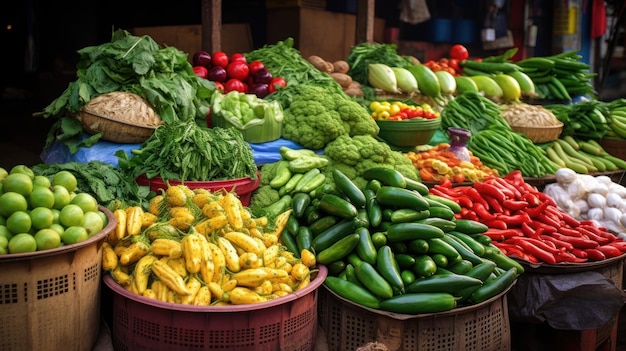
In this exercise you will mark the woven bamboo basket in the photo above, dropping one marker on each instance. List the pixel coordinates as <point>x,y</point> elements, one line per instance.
<point>540,135</point>
<point>121,117</point>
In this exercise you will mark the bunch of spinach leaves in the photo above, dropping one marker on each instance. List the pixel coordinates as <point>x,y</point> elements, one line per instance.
<point>162,76</point>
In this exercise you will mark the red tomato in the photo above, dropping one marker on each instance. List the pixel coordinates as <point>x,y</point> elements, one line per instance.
<point>459,52</point>
<point>201,71</point>
<point>255,66</point>
<point>235,84</point>
<point>219,58</point>
<point>238,70</point>
<point>454,64</point>
<point>277,83</point>
<point>238,57</point>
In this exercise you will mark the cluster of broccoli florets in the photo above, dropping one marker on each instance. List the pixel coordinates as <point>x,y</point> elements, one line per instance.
<point>316,115</point>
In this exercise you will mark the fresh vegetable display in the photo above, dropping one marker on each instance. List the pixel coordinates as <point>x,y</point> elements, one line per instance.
<point>527,224</point>
<point>315,115</point>
<point>391,245</point>
<point>163,76</point>
<point>582,156</point>
<point>203,248</point>
<point>583,119</point>
<point>186,151</point>
<point>593,198</point>
<point>438,163</point>
<point>398,110</point>
<point>559,77</point>
<point>235,73</point>
<point>44,212</point>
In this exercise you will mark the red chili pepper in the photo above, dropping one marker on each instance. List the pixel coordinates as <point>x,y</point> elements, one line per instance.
<point>580,243</point>
<point>595,255</point>
<point>542,217</point>
<point>593,236</point>
<point>475,196</point>
<point>533,212</point>
<point>528,231</point>
<point>570,232</point>
<point>494,205</point>
<point>546,246</point>
<point>532,249</point>
<point>545,197</point>
<point>491,190</point>
<point>515,205</point>
<point>532,199</point>
<point>609,251</point>
<point>502,234</point>
<point>601,232</point>
<point>547,229</point>
<point>516,219</point>
<point>443,191</point>
<point>464,201</point>
<point>446,182</point>
<point>569,220</point>
<point>554,212</point>
<point>579,253</point>
<point>510,191</point>
<point>505,247</point>
<point>483,212</point>
<point>559,243</point>
<point>468,214</point>
<point>568,257</point>
<point>496,224</point>
<point>515,177</point>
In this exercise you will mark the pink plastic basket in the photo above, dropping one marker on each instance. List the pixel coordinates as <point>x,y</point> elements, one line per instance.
<point>288,323</point>
<point>243,186</point>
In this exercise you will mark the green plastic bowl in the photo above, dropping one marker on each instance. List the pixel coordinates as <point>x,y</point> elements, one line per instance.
<point>410,132</point>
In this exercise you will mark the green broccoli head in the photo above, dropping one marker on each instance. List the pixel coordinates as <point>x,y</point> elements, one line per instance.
<point>356,118</point>
<point>403,165</point>
<point>268,172</point>
<point>344,150</point>
<point>311,124</point>
<point>264,196</point>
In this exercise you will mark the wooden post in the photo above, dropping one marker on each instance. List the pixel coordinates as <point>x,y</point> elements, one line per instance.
<point>211,25</point>
<point>365,21</point>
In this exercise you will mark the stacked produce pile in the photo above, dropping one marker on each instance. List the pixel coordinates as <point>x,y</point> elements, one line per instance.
<point>202,248</point>
<point>530,225</point>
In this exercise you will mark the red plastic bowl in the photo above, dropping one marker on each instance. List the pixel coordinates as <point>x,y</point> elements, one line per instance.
<point>244,187</point>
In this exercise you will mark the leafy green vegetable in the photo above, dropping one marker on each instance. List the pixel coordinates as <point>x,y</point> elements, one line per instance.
<point>245,110</point>
<point>108,184</point>
<point>162,76</point>
<point>184,150</point>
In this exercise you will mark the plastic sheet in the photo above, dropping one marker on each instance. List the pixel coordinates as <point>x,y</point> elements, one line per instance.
<point>105,151</point>
<point>573,301</point>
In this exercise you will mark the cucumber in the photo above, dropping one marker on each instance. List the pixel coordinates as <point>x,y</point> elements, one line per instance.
<point>448,283</point>
<point>348,188</point>
<point>417,303</point>
<point>438,245</point>
<point>411,230</point>
<point>463,250</point>
<point>494,287</point>
<point>501,260</point>
<point>373,280</point>
<point>442,212</point>
<point>365,249</point>
<point>404,260</point>
<point>306,179</point>
<point>339,249</point>
<point>469,226</point>
<point>331,235</point>
<point>322,224</point>
<point>337,206</point>
<point>461,267</point>
<point>477,247</point>
<point>395,197</point>
<point>441,223</point>
<point>387,266</point>
<point>424,266</point>
<point>408,215</point>
<point>299,203</point>
<point>416,185</point>
<point>352,292</point>
<point>303,237</point>
<point>374,212</point>
<point>386,176</point>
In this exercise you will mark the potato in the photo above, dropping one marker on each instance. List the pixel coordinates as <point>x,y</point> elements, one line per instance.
<point>343,79</point>
<point>341,66</point>
<point>320,63</point>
